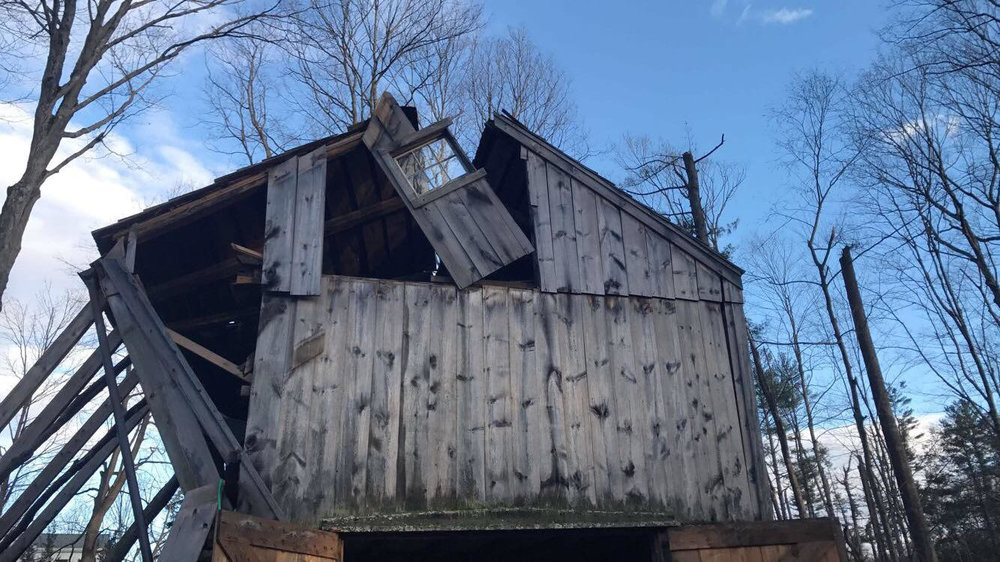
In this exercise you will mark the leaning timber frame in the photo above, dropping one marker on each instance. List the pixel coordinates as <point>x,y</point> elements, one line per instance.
<point>202,449</point>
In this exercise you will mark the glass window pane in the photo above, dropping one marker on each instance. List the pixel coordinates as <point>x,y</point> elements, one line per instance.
<point>431,165</point>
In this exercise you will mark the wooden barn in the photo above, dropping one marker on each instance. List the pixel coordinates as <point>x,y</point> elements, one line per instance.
<point>386,350</point>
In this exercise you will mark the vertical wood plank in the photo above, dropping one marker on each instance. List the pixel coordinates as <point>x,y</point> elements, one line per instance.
<point>278,226</point>
<point>523,394</point>
<point>685,274</point>
<point>640,281</point>
<point>553,460</point>
<point>632,460</point>
<point>499,448</point>
<point>653,429</point>
<point>307,233</point>
<point>709,284</point>
<point>661,268</point>
<point>290,476</point>
<point>567,262</point>
<point>612,248</point>
<point>576,381</point>
<point>359,368</point>
<point>603,409</point>
<point>588,239</point>
<point>538,192</point>
<point>416,382</point>
<point>442,403</point>
<point>472,399</point>
<point>383,442</point>
<point>332,392</point>
<point>680,487</point>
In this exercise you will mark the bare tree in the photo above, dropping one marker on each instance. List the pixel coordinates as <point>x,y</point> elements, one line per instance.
<point>100,59</point>
<point>509,73</point>
<point>240,92</point>
<point>26,331</point>
<point>347,52</point>
<point>659,175</point>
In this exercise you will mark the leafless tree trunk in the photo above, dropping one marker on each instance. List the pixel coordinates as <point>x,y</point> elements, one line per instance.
<point>100,60</point>
<point>923,543</point>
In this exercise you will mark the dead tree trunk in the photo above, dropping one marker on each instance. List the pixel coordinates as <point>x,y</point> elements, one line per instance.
<point>923,543</point>
<point>694,197</point>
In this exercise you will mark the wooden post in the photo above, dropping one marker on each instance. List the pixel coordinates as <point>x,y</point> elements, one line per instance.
<point>694,197</point>
<point>923,543</point>
<point>118,411</point>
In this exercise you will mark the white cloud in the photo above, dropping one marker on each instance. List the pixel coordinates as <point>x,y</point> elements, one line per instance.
<point>785,16</point>
<point>93,191</point>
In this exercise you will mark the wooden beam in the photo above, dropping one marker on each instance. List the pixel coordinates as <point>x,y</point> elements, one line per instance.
<point>164,363</point>
<point>350,220</point>
<point>228,267</point>
<point>65,488</point>
<point>247,252</point>
<point>190,529</point>
<point>42,368</point>
<point>43,425</point>
<point>61,459</point>
<point>118,413</point>
<point>208,355</point>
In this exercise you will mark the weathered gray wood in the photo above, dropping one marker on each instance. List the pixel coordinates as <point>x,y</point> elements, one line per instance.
<point>538,194</point>
<point>603,406</point>
<point>472,400</point>
<point>588,239</point>
<point>497,394</point>
<point>307,232</point>
<point>360,365</point>
<point>116,400</point>
<point>685,274</point>
<point>294,453</point>
<point>556,468</point>
<point>330,383</point>
<point>455,222</point>
<point>525,418</point>
<point>61,459</point>
<point>747,405</point>
<point>499,411</point>
<point>441,404</point>
<point>164,357</point>
<point>416,383</point>
<point>640,281</point>
<point>47,421</point>
<point>562,217</point>
<point>42,368</point>
<point>190,529</point>
<point>272,361</point>
<point>661,269</point>
<point>386,388</point>
<point>38,518</point>
<point>709,284</point>
<point>612,248</point>
<point>629,206</point>
<point>279,226</point>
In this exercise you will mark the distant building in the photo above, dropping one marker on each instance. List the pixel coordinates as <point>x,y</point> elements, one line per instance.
<point>60,547</point>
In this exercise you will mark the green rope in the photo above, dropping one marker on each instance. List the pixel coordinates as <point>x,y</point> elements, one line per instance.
<point>219,506</point>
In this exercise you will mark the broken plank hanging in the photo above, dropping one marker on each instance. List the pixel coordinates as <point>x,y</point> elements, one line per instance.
<point>293,232</point>
<point>470,229</point>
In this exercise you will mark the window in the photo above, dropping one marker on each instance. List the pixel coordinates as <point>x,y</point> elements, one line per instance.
<point>432,165</point>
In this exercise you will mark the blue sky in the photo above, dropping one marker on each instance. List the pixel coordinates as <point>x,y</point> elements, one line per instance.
<point>663,68</point>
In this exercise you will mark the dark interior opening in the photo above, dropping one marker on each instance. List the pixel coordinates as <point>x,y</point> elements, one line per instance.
<point>579,545</point>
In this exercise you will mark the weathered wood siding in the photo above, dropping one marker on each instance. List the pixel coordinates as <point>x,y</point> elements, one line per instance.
<point>412,396</point>
<point>588,243</point>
